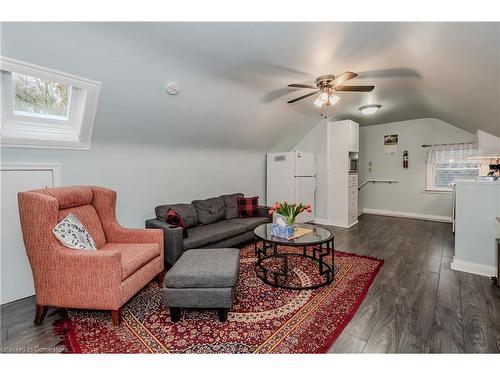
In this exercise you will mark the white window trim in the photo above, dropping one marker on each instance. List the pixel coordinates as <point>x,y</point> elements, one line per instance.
<point>23,131</point>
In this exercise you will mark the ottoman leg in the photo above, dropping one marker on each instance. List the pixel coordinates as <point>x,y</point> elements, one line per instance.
<point>175,314</point>
<point>222,314</point>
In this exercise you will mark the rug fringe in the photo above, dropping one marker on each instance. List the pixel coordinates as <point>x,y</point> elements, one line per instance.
<point>331,340</point>
<point>64,329</point>
<point>358,255</point>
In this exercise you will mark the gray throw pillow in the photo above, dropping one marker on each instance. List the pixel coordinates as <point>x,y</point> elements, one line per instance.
<point>231,204</point>
<point>209,210</point>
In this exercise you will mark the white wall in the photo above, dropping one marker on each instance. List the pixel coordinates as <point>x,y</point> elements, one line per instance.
<point>146,176</point>
<point>408,195</point>
<point>149,146</point>
<point>221,104</point>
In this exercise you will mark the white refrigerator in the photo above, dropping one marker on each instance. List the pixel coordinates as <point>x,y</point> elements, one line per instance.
<point>291,178</point>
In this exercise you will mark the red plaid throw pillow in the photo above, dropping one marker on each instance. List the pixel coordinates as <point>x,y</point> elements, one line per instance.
<point>173,218</point>
<point>248,207</point>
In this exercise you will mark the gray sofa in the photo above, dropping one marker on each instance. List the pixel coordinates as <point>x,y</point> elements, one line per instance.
<point>211,223</point>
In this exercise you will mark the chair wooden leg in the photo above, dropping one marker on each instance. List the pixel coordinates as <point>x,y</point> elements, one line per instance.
<point>175,314</point>
<point>116,316</point>
<point>160,278</point>
<point>41,311</point>
<point>222,314</point>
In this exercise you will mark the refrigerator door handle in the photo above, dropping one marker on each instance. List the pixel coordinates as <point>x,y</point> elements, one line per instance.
<point>314,189</point>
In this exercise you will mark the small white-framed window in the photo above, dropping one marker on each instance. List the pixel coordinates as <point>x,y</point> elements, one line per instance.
<point>447,163</point>
<point>44,108</point>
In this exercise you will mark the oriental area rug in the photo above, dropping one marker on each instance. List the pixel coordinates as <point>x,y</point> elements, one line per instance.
<point>264,319</point>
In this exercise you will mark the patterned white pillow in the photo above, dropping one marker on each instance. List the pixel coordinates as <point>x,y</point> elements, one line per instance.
<point>71,233</point>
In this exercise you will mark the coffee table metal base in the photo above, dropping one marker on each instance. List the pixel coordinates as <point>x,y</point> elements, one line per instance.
<point>278,278</point>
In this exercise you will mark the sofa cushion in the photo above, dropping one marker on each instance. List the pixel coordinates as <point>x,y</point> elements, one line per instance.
<point>205,268</point>
<point>70,196</point>
<point>133,255</point>
<point>250,222</point>
<point>185,210</point>
<point>205,234</point>
<point>209,210</point>
<point>231,204</point>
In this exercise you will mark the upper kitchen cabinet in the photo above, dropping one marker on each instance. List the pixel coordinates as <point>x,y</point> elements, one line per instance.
<point>353,136</point>
<point>488,145</point>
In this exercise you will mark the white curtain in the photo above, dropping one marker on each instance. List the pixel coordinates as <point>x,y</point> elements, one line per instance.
<point>454,153</point>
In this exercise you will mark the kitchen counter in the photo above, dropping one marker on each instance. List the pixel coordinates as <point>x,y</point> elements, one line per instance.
<point>477,227</point>
<point>476,182</point>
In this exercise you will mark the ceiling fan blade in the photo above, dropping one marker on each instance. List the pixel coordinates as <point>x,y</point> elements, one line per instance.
<point>344,77</point>
<point>302,97</point>
<point>392,72</point>
<point>302,86</point>
<point>354,88</point>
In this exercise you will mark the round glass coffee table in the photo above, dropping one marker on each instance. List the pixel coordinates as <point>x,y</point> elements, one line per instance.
<point>276,256</point>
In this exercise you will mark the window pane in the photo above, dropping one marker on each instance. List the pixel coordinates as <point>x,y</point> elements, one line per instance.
<point>40,97</point>
<point>443,177</point>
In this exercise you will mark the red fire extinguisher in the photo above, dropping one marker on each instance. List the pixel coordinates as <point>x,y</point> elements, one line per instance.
<point>405,159</point>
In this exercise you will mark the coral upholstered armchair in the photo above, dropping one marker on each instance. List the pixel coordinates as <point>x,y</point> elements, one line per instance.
<point>103,279</point>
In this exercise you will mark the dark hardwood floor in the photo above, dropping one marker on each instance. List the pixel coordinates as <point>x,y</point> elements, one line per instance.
<point>417,304</point>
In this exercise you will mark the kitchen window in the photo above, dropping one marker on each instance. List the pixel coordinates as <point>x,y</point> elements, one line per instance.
<point>447,163</point>
<point>43,108</point>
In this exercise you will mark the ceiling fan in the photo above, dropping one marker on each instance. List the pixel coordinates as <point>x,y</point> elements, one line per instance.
<point>326,85</point>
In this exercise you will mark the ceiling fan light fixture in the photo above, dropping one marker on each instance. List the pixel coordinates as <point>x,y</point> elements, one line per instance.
<point>333,99</point>
<point>318,103</point>
<point>323,97</point>
<point>368,110</point>
<point>325,85</point>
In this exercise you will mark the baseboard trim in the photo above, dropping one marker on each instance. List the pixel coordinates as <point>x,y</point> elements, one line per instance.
<point>341,224</point>
<point>320,221</point>
<point>475,268</point>
<point>408,215</point>
<point>353,224</point>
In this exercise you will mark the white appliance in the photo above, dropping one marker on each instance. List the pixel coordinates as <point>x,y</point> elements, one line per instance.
<point>290,177</point>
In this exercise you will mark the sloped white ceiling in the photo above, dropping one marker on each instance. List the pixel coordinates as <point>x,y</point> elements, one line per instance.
<point>233,76</point>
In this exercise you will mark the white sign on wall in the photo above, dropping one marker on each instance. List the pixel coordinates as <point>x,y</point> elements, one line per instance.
<point>391,144</point>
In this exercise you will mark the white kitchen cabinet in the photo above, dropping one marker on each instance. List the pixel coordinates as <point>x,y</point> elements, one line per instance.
<point>333,143</point>
<point>488,145</point>
<point>342,201</point>
<point>353,136</point>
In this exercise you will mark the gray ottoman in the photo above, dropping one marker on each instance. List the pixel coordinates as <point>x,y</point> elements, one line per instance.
<point>202,278</point>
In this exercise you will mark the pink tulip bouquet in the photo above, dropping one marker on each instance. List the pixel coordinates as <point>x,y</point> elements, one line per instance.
<point>289,210</point>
